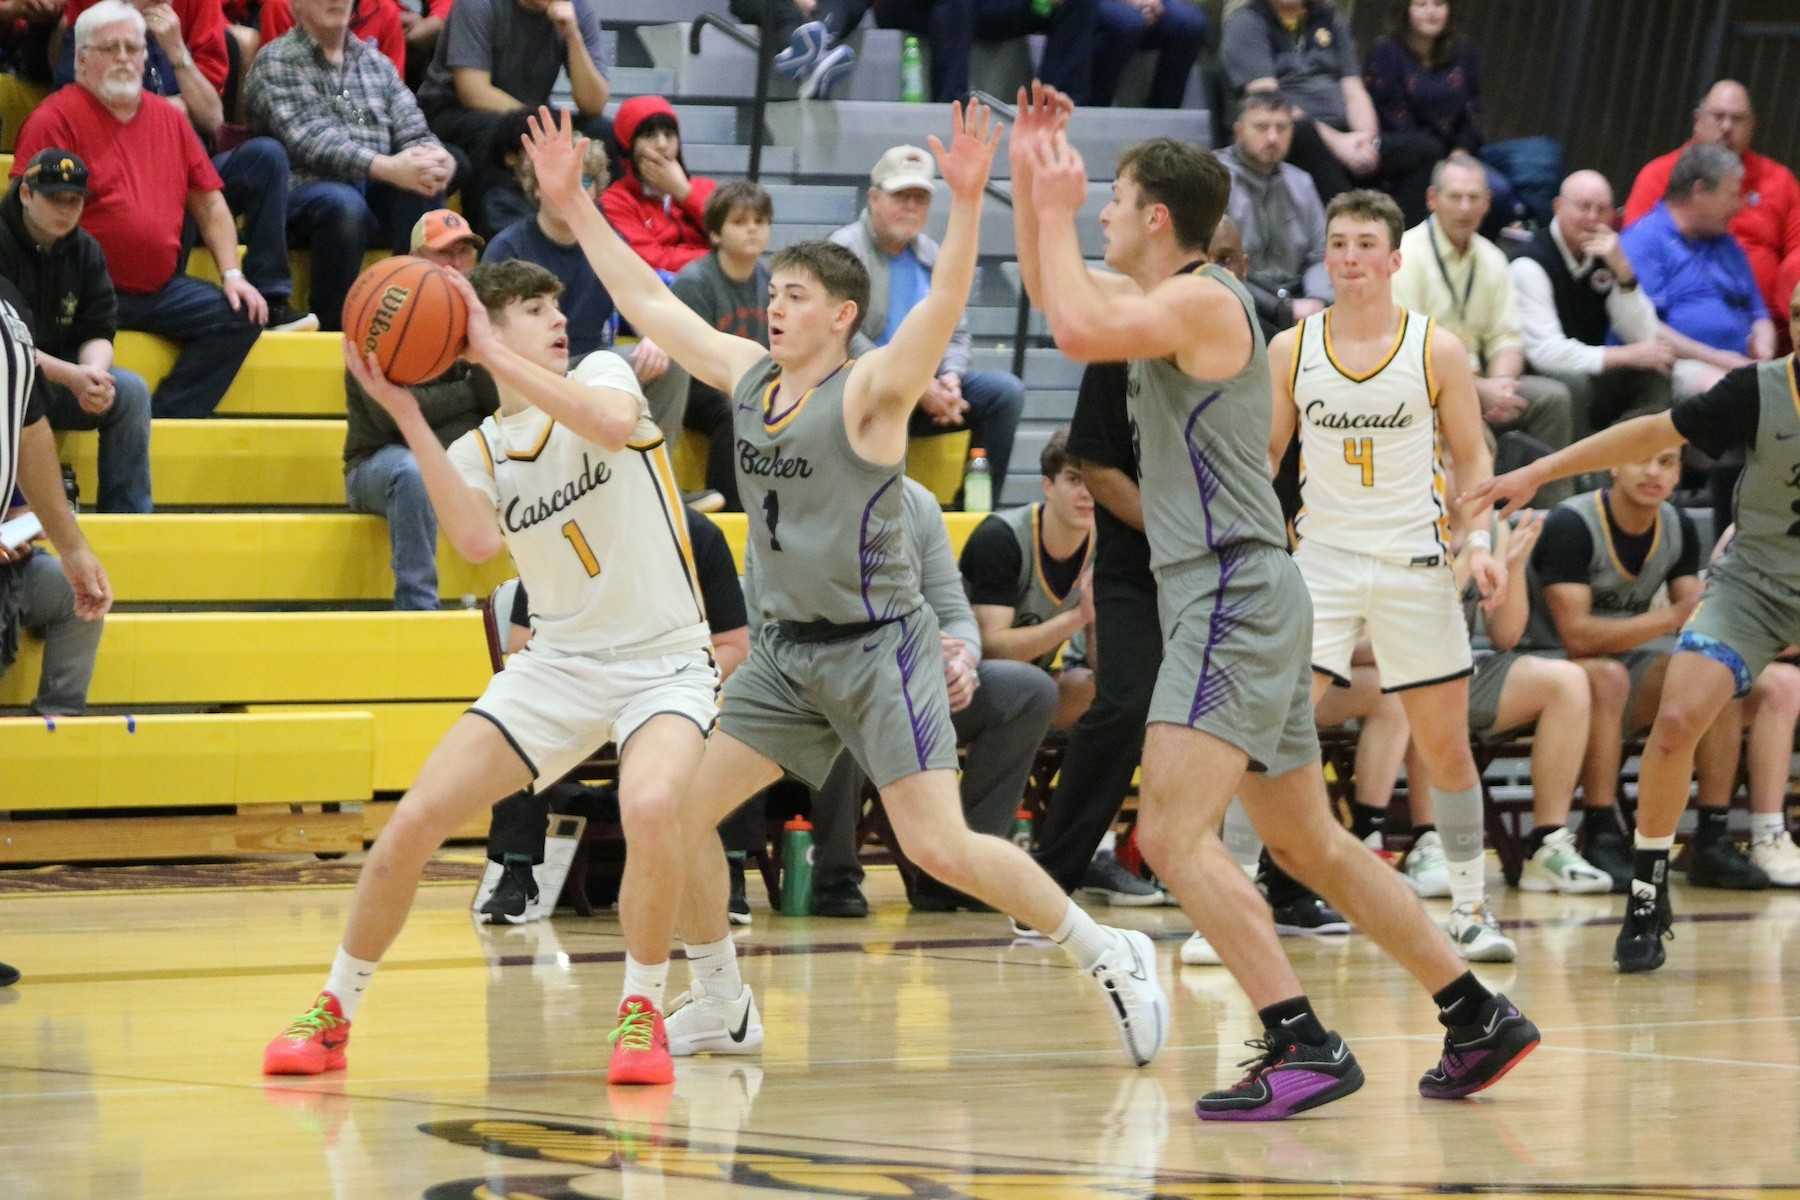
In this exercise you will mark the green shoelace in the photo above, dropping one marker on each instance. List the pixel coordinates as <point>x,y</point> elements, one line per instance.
<point>316,1019</point>
<point>635,1028</point>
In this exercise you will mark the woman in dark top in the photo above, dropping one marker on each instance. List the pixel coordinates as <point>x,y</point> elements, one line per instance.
<point>1425,81</point>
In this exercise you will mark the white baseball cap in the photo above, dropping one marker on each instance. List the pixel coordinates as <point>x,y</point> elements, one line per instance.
<point>905,169</point>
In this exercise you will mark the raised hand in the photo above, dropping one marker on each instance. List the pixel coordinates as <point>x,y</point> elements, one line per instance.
<point>974,136</point>
<point>1059,177</point>
<point>395,400</point>
<point>556,154</point>
<point>1043,111</point>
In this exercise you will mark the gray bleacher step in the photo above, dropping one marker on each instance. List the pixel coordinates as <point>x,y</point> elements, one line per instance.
<point>812,204</point>
<point>724,67</point>
<point>641,81</point>
<point>732,162</point>
<point>785,234</point>
<point>1045,367</point>
<point>717,124</point>
<point>648,12</point>
<point>1002,321</point>
<point>845,137</point>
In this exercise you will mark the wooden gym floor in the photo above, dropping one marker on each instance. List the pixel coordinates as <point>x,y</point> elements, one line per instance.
<point>907,1056</point>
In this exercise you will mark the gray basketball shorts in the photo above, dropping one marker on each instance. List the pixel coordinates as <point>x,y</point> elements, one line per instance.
<point>1485,687</point>
<point>881,695</point>
<point>1744,621</point>
<point>1237,655</point>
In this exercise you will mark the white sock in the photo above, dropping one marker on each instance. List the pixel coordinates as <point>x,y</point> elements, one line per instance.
<point>349,976</point>
<point>713,968</point>
<point>1468,882</point>
<point>1084,938</point>
<point>1643,842</point>
<point>1766,825</point>
<point>651,981</point>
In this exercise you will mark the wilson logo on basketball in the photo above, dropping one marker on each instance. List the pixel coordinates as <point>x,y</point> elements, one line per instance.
<point>392,301</point>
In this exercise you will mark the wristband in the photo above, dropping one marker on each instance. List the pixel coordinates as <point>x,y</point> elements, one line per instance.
<point>1481,540</point>
<point>234,273</point>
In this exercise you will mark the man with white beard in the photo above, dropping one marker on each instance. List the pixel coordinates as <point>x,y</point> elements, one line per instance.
<point>147,171</point>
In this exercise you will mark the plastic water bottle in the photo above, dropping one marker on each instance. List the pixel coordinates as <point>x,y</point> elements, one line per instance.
<point>1021,830</point>
<point>978,484</point>
<point>796,868</point>
<point>912,71</point>
<point>1043,8</point>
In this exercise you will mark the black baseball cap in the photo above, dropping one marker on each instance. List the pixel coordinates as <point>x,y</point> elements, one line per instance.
<point>53,172</point>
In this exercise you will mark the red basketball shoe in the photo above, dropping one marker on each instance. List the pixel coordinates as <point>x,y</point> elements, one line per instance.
<point>313,1044</point>
<point>640,1045</point>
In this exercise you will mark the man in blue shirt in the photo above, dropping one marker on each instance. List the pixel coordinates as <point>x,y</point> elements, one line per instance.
<point>1696,274</point>
<point>545,239</point>
<point>890,240</point>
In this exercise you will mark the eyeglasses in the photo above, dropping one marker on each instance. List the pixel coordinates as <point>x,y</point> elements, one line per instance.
<point>120,48</point>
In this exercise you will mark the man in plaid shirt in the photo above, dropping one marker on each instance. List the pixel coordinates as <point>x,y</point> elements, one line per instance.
<point>365,165</point>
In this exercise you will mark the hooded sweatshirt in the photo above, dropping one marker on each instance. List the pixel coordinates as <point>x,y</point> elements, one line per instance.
<point>66,284</point>
<point>666,234</point>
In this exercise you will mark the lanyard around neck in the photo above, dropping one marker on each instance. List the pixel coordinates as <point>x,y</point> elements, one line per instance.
<point>1462,305</point>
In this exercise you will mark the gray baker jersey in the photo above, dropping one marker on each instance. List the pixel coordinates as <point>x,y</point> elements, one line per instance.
<point>827,527</point>
<point>1617,592</point>
<point>1203,452</point>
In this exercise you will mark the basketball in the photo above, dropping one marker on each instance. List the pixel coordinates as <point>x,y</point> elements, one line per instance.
<point>406,311</point>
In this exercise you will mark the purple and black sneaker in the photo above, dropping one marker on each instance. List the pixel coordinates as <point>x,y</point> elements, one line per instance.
<point>1477,1055</point>
<point>1287,1077</point>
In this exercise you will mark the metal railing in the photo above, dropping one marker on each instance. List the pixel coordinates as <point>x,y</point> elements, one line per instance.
<point>760,102</point>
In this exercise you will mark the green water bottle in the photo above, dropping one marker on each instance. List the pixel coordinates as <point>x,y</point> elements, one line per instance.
<point>796,868</point>
<point>978,484</point>
<point>912,71</point>
<point>1043,8</point>
<point>1021,831</point>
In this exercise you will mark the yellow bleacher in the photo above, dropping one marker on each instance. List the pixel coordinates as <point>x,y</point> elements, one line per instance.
<point>219,464</point>
<point>286,374</point>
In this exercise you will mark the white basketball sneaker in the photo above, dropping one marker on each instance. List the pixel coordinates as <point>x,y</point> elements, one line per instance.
<point>1198,952</point>
<point>1134,998</point>
<point>1558,867</point>
<point>1477,935</point>
<point>1425,868</point>
<point>699,1023</point>
<point>1777,855</point>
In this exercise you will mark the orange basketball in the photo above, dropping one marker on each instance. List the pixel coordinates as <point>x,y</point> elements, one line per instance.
<point>406,311</point>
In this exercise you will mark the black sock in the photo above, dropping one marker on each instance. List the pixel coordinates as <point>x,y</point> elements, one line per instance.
<point>1652,867</point>
<point>1461,1001</point>
<point>1294,1018</point>
<point>1366,819</point>
<point>1714,825</point>
<point>1535,840</point>
<point>1596,822</point>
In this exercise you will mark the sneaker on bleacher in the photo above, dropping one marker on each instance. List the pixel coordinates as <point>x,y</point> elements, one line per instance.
<point>283,319</point>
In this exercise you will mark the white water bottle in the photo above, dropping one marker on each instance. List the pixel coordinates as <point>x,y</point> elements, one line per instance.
<point>978,484</point>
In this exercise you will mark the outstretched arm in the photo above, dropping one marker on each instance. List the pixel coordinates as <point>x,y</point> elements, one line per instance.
<point>716,359</point>
<point>1627,442</point>
<point>1043,113</point>
<point>1459,415</point>
<point>1093,323</point>
<point>891,379</point>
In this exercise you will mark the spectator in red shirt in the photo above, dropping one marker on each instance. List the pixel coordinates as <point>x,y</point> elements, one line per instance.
<point>1768,224</point>
<point>187,63</point>
<point>657,207</point>
<point>147,173</point>
<point>376,22</point>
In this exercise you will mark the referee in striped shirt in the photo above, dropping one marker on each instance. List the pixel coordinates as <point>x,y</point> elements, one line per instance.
<point>28,462</point>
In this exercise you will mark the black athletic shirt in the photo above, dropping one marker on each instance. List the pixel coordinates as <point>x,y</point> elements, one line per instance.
<point>1100,433</point>
<point>1725,418</point>
<point>1565,548</point>
<point>990,565</point>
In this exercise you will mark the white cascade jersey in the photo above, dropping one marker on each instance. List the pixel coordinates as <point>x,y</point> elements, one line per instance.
<point>599,537</point>
<point>1371,479</point>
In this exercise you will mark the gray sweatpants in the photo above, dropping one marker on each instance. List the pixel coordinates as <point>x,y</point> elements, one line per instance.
<point>47,610</point>
<point>1003,726</point>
